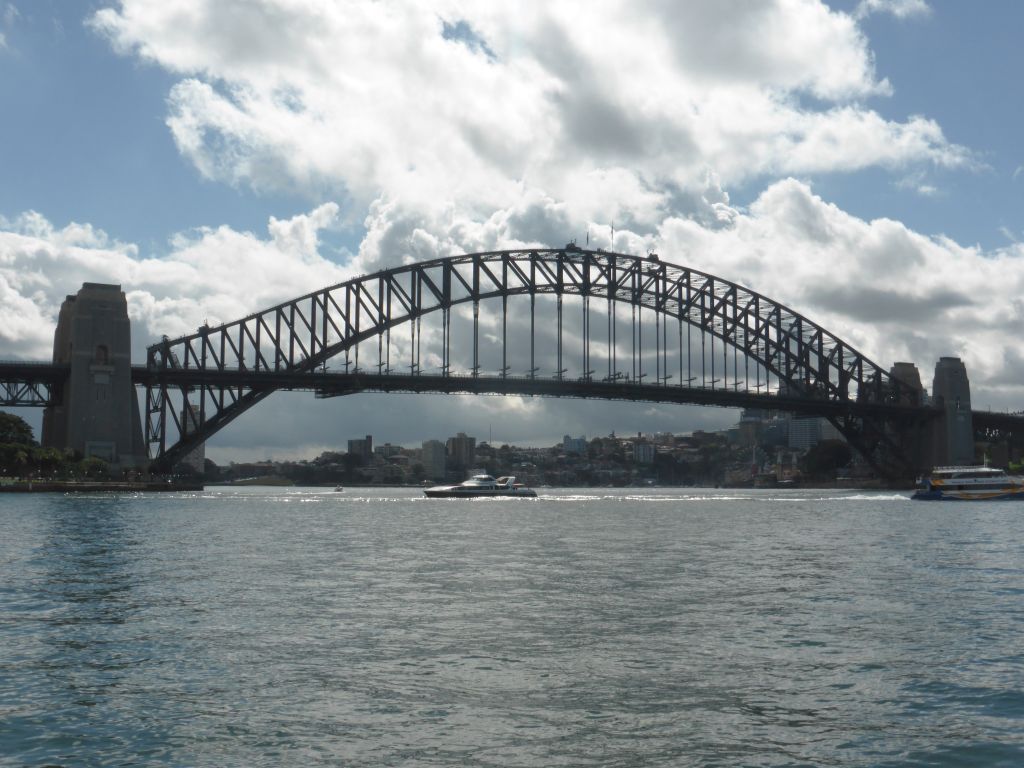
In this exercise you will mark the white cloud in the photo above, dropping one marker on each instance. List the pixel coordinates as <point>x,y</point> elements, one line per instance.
<point>901,9</point>
<point>460,127</point>
<point>918,183</point>
<point>219,274</point>
<point>613,112</point>
<point>891,292</point>
<point>213,275</point>
<point>8,18</point>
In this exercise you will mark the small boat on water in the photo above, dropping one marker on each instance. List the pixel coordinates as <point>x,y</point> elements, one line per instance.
<point>481,486</point>
<point>969,484</point>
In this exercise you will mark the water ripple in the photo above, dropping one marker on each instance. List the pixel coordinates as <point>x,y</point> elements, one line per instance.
<point>271,627</point>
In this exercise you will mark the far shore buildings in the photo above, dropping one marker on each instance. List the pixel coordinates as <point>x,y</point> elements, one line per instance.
<point>774,429</point>
<point>433,456</point>
<point>576,445</point>
<point>362,448</point>
<point>762,443</point>
<point>461,452</point>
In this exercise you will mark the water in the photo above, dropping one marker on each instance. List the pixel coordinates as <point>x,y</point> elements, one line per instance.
<point>267,627</point>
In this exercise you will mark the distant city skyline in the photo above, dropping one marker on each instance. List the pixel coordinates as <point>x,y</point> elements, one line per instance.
<point>765,448</point>
<point>858,160</point>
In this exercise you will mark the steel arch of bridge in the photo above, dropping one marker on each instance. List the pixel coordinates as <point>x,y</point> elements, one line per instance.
<point>222,371</point>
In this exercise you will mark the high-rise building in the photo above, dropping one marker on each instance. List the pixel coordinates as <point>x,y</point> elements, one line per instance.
<point>804,433</point>
<point>387,450</point>
<point>461,452</point>
<point>362,448</point>
<point>643,452</point>
<point>576,445</point>
<point>433,459</point>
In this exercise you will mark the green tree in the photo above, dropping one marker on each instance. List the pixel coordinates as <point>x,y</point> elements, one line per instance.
<point>50,461</point>
<point>14,458</point>
<point>94,468</point>
<point>14,429</point>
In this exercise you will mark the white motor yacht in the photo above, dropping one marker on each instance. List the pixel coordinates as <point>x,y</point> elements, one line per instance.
<point>481,486</point>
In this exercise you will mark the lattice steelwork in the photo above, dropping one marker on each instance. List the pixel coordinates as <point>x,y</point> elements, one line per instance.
<point>30,384</point>
<point>622,327</point>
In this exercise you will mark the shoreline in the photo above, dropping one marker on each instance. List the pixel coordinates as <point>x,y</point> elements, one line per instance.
<point>97,486</point>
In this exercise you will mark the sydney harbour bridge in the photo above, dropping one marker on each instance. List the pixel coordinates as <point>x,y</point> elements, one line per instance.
<point>567,322</point>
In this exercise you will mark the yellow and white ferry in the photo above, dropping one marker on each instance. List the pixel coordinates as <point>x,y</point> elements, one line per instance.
<point>970,484</point>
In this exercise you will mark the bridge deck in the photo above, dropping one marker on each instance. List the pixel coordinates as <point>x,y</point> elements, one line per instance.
<point>336,384</point>
<point>24,383</point>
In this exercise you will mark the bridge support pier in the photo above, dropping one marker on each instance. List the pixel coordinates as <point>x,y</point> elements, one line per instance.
<point>953,432</point>
<point>98,414</point>
<point>948,438</point>
<point>913,435</point>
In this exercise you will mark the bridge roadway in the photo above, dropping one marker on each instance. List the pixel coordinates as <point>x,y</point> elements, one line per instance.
<point>33,371</point>
<point>30,383</point>
<point>335,384</point>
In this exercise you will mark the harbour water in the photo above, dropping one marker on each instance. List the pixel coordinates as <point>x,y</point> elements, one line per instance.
<point>281,626</point>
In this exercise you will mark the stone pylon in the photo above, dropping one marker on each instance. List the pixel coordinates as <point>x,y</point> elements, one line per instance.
<point>914,436</point>
<point>99,411</point>
<point>953,435</point>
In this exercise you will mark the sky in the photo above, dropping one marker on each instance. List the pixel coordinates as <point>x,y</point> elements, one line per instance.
<point>858,161</point>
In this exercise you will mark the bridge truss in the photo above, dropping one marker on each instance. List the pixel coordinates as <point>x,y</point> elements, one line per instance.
<point>562,322</point>
<point>31,384</point>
